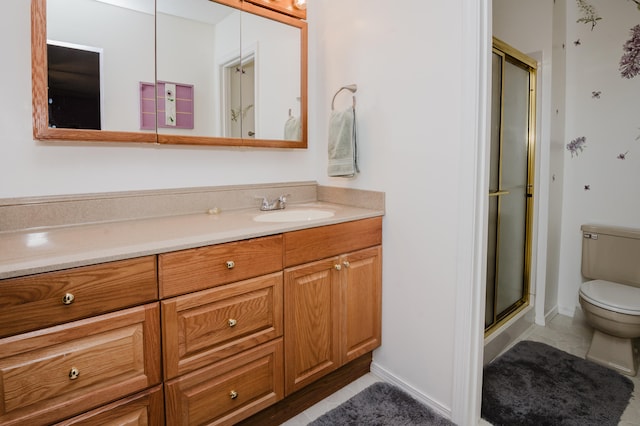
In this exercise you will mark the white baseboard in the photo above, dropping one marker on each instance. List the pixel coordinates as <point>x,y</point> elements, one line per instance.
<point>388,377</point>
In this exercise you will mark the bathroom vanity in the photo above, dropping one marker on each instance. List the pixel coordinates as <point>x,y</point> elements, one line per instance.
<point>209,317</point>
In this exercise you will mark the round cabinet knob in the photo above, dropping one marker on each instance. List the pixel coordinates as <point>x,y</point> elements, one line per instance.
<point>233,394</point>
<point>337,267</point>
<point>346,263</point>
<point>231,264</point>
<point>68,298</point>
<point>232,322</point>
<point>74,373</point>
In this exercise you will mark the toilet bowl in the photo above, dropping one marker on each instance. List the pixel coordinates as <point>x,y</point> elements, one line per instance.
<point>613,310</point>
<point>611,299</point>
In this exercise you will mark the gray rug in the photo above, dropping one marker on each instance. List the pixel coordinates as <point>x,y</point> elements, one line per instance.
<point>381,404</point>
<point>536,384</point>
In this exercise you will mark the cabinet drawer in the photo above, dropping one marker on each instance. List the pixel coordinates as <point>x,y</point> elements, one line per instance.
<point>142,409</point>
<point>207,326</point>
<point>229,391</point>
<point>55,373</point>
<point>190,270</point>
<point>34,302</point>
<point>312,244</point>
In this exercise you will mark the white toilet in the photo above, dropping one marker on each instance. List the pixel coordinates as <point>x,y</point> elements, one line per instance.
<point>611,301</point>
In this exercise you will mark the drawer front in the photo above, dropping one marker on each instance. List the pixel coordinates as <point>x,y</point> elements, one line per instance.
<point>201,268</point>
<point>62,371</point>
<point>38,301</point>
<point>312,244</point>
<point>207,326</point>
<point>142,409</point>
<point>229,391</point>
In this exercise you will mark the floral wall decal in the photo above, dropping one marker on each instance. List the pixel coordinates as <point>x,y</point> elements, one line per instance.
<point>596,94</point>
<point>622,156</point>
<point>577,145</point>
<point>637,2</point>
<point>630,61</point>
<point>589,14</point>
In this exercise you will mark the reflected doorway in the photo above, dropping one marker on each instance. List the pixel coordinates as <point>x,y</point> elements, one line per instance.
<point>513,106</point>
<point>240,97</point>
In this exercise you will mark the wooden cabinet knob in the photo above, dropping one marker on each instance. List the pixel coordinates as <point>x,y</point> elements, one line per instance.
<point>74,373</point>
<point>337,267</point>
<point>232,322</point>
<point>68,298</point>
<point>346,263</point>
<point>231,264</point>
<point>233,394</point>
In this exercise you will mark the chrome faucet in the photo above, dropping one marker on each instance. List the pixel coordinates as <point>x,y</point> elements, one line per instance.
<point>277,204</point>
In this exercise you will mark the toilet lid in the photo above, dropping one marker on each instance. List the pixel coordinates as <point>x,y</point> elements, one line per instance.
<point>624,299</point>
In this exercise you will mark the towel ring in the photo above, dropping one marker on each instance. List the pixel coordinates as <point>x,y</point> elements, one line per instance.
<point>353,88</point>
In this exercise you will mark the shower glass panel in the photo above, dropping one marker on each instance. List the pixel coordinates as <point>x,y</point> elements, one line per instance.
<point>510,185</point>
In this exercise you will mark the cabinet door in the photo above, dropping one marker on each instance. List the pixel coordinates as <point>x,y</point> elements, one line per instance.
<point>362,302</point>
<point>312,325</point>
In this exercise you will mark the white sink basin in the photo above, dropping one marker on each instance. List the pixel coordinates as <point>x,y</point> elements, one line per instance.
<point>294,215</point>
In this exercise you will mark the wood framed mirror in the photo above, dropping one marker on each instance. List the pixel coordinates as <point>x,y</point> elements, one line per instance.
<point>184,58</point>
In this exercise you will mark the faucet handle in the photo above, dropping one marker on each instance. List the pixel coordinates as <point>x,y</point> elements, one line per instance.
<point>283,197</point>
<point>264,201</point>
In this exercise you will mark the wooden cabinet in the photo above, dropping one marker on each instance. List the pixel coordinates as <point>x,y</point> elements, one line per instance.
<point>54,373</point>
<point>210,335</point>
<point>78,340</point>
<point>142,409</point>
<point>332,305</point>
<point>222,345</point>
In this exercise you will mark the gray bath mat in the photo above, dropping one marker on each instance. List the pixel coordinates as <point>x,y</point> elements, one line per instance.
<point>536,384</point>
<point>381,404</point>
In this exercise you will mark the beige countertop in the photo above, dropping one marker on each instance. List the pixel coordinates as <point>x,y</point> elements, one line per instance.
<point>37,250</point>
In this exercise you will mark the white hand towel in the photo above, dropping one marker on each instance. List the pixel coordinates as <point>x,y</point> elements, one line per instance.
<point>292,129</point>
<point>343,147</point>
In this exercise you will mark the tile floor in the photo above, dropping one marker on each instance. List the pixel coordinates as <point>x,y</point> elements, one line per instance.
<point>571,335</point>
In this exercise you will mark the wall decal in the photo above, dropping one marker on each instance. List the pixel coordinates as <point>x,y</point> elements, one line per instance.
<point>587,187</point>
<point>578,144</point>
<point>596,94</point>
<point>637,2</point>
<point>622,156</point>
<point>630,61</point>
<point>577,42</point>
<point>589,14</point>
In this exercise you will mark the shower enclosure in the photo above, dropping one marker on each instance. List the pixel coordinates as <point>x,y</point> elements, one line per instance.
<point>510,184</point>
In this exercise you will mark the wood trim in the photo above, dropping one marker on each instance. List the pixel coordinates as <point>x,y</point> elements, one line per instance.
<point>282,6</point>
<point>299,401</point>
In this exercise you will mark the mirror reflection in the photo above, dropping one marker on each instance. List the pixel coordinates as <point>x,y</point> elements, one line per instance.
<point>103,94</point>
<point>244,70</point>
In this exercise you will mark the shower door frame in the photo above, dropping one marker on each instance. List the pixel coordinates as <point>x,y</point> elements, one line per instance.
<point>529,64</point>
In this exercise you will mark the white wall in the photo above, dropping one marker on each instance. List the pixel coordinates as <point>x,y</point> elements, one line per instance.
<point>30,168</point>
<point>611,126</point>
<point>410,66</point>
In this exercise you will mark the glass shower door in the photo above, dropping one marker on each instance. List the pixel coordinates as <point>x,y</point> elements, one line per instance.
<point>510,187</point>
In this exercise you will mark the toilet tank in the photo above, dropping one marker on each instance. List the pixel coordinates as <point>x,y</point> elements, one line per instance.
<point>611,253</point>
